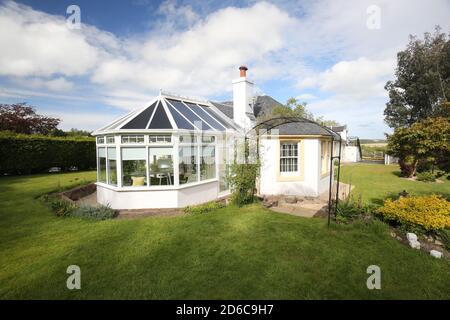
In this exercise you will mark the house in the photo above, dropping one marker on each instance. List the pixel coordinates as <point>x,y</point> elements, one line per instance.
<point>175,151</point>
<point>351,148</point>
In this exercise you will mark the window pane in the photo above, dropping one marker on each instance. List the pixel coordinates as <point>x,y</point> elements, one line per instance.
<point>160,138</point>
<point>181,122</point>
<point>112,167</point>
<point>100,140</point>
<point>161,166</point>
<point>191,116</point>
<point>289,157</point>
<point>208,163</point>
<point>134,172</point>
<point>188,164</point>
<point>133,139</point>
<point>102,165</point>
<point>205,116</point>
<point>110,139</point>
<point>188,138</point>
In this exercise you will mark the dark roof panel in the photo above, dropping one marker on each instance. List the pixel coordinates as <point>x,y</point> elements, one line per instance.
<point>160,119</point>
<point>141,120</point>
<point>206,116</point>
<point>181,122</point>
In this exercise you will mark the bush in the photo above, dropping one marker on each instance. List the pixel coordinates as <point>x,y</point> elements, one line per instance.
<point>242,181</point>
<point>99,213</point>
<point>414,213</point>
<point>426,176</point>
<point>25,154</point>
<point>204,208</point>
<point>65,208</point>
<point>350,209</point>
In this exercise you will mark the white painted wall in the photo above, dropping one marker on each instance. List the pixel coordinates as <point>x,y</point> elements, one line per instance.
<point>170,198</point>
<point>351,154</point>
<point>242,101</point>
<point>268,180</point>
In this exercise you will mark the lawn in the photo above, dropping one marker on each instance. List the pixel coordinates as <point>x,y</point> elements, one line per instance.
<point>250,253</point>
<point>375,182</point>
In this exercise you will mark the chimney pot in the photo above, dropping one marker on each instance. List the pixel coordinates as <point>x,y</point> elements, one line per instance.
<point>243,71</point>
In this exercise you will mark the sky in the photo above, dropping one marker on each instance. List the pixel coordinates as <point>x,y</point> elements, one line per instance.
<point>334,55</point>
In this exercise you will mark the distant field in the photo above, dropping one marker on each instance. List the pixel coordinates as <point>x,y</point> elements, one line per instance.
<point>374,144</point>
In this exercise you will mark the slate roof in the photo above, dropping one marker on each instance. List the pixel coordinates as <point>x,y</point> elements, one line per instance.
<point>264,105</point>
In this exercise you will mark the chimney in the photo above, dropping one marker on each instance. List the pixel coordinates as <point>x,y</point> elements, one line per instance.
<point>243,99</point>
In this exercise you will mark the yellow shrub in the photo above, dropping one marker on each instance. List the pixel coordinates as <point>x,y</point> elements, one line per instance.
<point>430,212</point>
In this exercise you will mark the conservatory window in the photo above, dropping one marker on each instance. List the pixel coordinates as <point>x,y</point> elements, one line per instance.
<point>100,140</point>
<point>110,139</point>
<point>133,139</point>
<point>325,156</point>
<point>101,165</point>
<point>208,139</point>
<point>188,138</point>
<point>112,167</point>
<point>134,167</point>
<point>289,157</point>
<point>208,162</point>
<point>160,138</point>
<point>188,164</point>
<point>161,166</point>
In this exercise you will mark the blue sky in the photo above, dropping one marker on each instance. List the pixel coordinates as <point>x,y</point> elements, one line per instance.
<point>335,55</point>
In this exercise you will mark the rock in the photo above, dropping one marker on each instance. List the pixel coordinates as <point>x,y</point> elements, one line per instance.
<point>393,235</point>
<point>291,199</point>
<point>414,244</point>
<point>436,254</point>
<point>398,238</point>
<point>411,236</point>
<point>269,204</point>
<point>439,243</point>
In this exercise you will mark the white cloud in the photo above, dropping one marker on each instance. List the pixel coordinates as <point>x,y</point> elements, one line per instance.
<point>38,44</point>
<point>356,78</point>
<point>306,97</point>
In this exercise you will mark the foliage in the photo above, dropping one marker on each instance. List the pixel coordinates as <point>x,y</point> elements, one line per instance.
<point>99,212</point>
<point>427,141</point>
<point>20,118</point>
<point>204,208</point>
<point>422,85</point>
<point>242,182</point>
<point>71,133</point>
<point>352,209</point>
<point>427,212</point>
<point>23,154</point>
<point>426,176</point>
<point>65,208</point>
<point>61,207</point>
<point>297,109</point>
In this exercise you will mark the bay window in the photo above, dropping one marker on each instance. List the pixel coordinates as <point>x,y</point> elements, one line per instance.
<point>161,165</point>
<point>101,165</point>
<point>112,167</point>
<point>134,167</point>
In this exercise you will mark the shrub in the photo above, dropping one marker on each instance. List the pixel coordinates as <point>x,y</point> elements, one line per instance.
<point>99,212</point>
<point>24,154</point>
<point>242,181</point>
<point>350,209</point>
<point>415,213</point>
<point>426,176</point>
<point>61,207</point>
<point>204,208</point>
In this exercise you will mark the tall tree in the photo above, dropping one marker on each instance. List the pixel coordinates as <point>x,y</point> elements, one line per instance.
<point>422,85</point>
<point>21,118</point>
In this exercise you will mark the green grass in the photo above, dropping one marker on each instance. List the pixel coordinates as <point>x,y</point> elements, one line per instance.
<point>246,253</point>
<point>375,182</point>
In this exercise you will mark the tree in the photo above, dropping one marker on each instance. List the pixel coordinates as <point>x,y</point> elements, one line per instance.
<point>426,141</point>
<point>21,118</point>
<point>295,108</point>
<point>422,85</point>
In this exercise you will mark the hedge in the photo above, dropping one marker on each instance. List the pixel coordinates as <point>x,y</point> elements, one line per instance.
<point>24,154</point>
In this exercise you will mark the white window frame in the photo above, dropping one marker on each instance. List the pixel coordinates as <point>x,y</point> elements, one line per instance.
<point>296,157</point>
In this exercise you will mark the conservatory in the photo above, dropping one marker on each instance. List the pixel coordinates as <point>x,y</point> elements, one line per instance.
<point>169,154</point>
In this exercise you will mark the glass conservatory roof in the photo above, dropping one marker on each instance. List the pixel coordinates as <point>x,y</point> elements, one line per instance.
<point>172,113</point>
